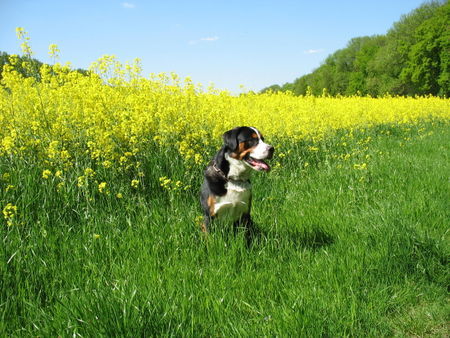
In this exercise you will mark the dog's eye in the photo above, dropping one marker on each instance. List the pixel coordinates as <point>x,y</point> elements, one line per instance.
<point>250,143</point>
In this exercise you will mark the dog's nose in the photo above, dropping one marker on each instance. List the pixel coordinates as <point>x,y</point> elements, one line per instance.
<point>271,150</point>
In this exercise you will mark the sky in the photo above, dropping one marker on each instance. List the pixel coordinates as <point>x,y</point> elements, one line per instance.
<point>229,43</point>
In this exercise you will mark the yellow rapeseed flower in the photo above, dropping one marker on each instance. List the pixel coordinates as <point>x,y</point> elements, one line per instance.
<point>82,181</point>
<point>102,187</point>
<point>134,184</point>
<point>46,174</point>
<point>9,212</point>
<point>53,51</point>
<point>362,166</point>
<point>59,186</point>
<point>88,172</point>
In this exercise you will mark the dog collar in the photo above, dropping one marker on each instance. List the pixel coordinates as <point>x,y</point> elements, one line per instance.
<point>219,171</point>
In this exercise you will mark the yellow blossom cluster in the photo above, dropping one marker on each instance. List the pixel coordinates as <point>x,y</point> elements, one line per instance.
<point>171,185</point>
<point>9,213</point>
<point>114,114</point>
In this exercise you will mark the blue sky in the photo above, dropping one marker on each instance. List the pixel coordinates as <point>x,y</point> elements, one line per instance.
<point>228,43</point>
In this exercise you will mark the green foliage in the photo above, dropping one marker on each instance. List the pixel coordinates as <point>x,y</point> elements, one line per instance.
<point>274,88</point>
<point>428,65</point>
<point>411,59</point>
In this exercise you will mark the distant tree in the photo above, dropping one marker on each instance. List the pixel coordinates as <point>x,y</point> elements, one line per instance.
<point>392,59</point>
<point>273,88</point>
<point>288,87</point>
<point>300,85</point>
<point>83,71</point>
<point>428,65</point>
<point>360,78</point>
<point>3,59</point>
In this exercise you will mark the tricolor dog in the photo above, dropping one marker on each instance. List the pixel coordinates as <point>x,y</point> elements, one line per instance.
<point>226,190</point>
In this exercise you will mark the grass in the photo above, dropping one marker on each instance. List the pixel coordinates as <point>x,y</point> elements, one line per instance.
<point>346,247</point>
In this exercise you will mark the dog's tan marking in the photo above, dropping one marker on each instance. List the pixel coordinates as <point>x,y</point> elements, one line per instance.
<point>211,204</point>
<point>245,152</point>
<point>240,149</point>
<point>240,153</point>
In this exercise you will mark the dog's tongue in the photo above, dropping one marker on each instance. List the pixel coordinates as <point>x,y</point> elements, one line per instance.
<point>259,164</point>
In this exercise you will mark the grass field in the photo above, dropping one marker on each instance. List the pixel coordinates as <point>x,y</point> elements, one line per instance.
<point>347,245</point>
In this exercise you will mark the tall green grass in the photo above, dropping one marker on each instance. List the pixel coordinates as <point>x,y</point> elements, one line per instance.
<point>345,247</point>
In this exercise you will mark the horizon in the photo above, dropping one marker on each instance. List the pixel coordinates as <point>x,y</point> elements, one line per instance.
<point>254,45</point>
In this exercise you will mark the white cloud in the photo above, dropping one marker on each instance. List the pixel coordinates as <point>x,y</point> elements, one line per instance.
<point>213,38</point>
<point>128,5</point>
<point>314,51</point>
<point>207,39</point>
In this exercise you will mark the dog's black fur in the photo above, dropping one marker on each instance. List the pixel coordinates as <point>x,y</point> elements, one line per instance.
<point>226,190</point>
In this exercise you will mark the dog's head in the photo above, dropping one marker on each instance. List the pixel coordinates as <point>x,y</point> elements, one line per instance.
<point>247,144</point>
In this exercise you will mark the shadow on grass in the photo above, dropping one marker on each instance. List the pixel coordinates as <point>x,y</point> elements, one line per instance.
<point>254,235</point>
<point>310,239</point>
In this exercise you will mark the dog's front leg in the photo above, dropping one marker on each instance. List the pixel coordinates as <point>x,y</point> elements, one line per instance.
<point>205,224</point>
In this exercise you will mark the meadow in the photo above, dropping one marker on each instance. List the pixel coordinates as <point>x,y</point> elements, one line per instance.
<point>99,180</point>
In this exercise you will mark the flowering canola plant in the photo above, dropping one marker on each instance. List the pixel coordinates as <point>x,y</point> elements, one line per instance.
<point>113,114</point>
<point>111,120</point>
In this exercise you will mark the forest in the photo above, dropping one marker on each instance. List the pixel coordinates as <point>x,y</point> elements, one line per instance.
<point>412,58</point>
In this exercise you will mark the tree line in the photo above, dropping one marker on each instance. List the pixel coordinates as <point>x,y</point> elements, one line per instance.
<point>413,58</point>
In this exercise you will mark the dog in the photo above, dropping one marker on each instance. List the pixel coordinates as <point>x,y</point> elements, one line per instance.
<point>226,189</point>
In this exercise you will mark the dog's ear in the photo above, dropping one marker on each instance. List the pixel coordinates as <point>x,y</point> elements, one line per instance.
<point>230,138</point>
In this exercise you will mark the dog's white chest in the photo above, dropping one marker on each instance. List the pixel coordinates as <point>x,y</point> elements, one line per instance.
<point>235,202</point>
